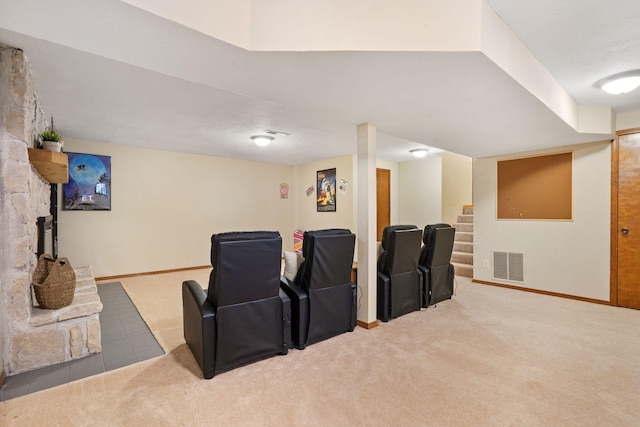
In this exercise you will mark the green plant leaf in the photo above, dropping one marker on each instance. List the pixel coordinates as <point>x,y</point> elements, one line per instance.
<point>50,135</point>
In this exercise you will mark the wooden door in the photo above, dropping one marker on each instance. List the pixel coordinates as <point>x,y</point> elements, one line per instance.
<point>383,200</point>
<point>627,232</point>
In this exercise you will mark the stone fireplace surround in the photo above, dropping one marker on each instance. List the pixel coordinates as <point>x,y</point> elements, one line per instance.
<point>26,341</point>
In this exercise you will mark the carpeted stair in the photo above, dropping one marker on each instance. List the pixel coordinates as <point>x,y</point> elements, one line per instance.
<point>462,256</point>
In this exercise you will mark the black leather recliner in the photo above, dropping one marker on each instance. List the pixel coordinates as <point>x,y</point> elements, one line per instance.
<point>399,283</point>
<point>323,298</point>
<point>435,263</point>
<point>243,316</point>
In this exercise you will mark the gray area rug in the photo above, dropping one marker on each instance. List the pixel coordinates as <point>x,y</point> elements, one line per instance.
<point>126,339</point>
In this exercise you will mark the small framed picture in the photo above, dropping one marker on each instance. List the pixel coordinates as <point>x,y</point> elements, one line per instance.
<point>326,190</point>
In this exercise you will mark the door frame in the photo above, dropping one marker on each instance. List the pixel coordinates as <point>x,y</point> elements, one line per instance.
<point>615,176</point>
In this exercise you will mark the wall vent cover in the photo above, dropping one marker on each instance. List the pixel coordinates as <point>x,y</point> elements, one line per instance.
<point>508,266</point>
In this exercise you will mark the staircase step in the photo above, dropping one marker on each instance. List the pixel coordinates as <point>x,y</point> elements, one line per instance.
<point>462,255</point>
<point>465,228</point>
<point>463,247</point>
<point>462,236</point>
<point>462,258</point>
<point>463,270</point>
<point>465,219</point>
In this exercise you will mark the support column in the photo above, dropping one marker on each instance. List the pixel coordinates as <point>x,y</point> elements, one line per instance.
<point>366,235</point>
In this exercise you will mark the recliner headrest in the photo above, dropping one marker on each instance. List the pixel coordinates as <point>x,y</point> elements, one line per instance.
<point>438,246</point>
<point>331,251</point>
<point>306,243</point>
<point>426,235</point>
<point>390,229</point>
<point>233,236</point>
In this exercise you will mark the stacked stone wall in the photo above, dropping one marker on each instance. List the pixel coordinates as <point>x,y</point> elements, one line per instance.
<point>24,196</point>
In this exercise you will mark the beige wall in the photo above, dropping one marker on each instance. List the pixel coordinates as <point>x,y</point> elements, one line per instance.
<point>166,205</point>
<point>432,189</point>
<point>568,257</point>
<point>420,25</point>
<point>304,25</point>
<point>420,191</point>
<point>628,120</point>
<point>457,180</point>
<point>304,212</point>
<point>225,20</point>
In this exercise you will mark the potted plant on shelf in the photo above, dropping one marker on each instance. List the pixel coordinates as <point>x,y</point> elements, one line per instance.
<point>51,139</point>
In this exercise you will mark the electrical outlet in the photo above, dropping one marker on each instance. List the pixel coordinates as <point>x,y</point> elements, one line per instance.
<point>485,263</point>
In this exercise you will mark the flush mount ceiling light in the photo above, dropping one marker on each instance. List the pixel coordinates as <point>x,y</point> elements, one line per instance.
<point>419,152</point>
<point>262,140</point>
<point>620,83</point>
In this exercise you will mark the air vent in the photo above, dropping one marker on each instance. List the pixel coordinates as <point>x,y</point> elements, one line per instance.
<point>508,266</point>
<point>276,132</point>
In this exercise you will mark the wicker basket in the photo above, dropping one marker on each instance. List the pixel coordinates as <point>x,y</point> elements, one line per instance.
<point>54,282</point>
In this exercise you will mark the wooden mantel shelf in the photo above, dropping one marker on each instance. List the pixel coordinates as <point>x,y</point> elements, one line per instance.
<point>53,166</point>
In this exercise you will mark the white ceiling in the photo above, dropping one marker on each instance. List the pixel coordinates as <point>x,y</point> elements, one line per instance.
<point>580,42</point>
<point>117,74</point>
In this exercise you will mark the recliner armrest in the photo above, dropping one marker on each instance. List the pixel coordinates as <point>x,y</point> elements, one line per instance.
<point>299,312</point>
<point>383,277</point>
<point>196,293</point>
<point>286,321</point>
<point>199,326</point>
<point>383,297</point>
<point>354,307</point>
<point>424,284</point>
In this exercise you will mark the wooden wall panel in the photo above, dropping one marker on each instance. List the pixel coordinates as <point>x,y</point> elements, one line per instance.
<point>383,201</point>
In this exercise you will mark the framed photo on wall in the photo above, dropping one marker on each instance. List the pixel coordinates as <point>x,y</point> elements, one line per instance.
<point>326,190</point>
<point>89,186</point>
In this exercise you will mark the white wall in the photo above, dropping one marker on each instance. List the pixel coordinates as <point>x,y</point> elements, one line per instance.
<point>457,178</point>
<point>567,257</point>
<point>166,205</point>
<point>420,191</point>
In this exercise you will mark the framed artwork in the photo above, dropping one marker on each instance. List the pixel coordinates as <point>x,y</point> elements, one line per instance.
<point>326,190</point>
<point>89,186</point>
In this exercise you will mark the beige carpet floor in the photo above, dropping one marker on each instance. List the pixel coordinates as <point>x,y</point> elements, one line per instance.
<point>488,357</point>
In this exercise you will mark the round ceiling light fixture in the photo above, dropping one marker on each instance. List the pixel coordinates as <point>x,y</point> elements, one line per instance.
<point>419,152</point>
<point>620,83</point>
<point>262,140</point>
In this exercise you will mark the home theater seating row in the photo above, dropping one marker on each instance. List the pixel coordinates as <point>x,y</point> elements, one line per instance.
<point>412,276</point>
<point>250,312</point>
